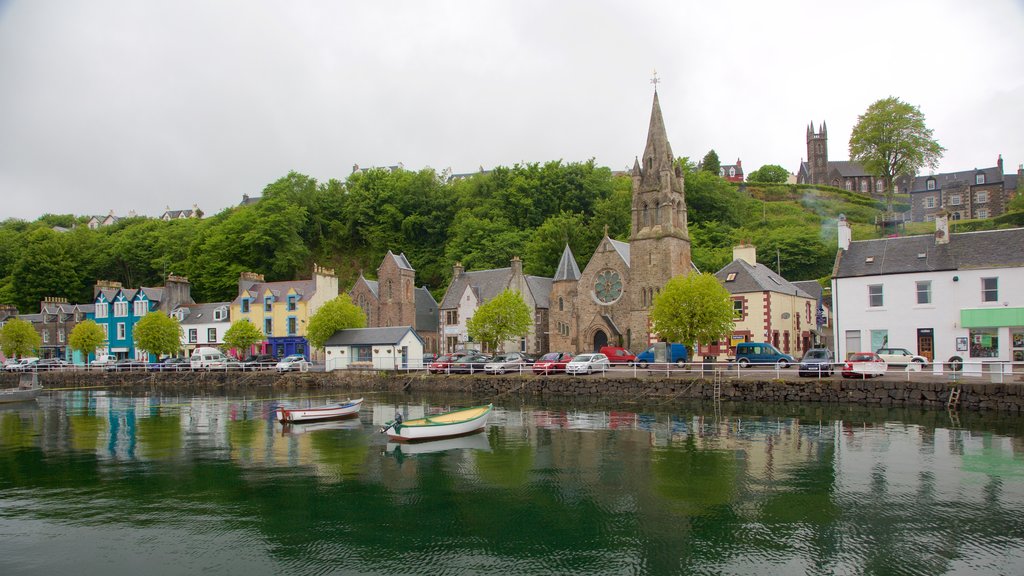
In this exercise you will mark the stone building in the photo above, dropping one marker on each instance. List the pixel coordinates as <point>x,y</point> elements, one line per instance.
<point>818,169</point>
<point>609,301</point>
<point>394,300</point>
<point>978,193</point>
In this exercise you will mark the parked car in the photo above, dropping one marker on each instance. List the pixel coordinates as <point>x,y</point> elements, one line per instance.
<point>442,363</point>
<point>171,364</point>
<point>900,357</point>
<point>511,362</point>
<point>661,353</point>
<point>293,363</point>
<point>10,362</point>
<point>229,364</point>
<point>207,357</point>
<point>551,363</point>
<point>587,364</point>
<point>47,364</point>
<point>761,353</point>
<point>469,364</point>
<point>429,359</point>
<point>817,362</point>
<point>102,361</point>
<point>127,365</point>
<point>864,365</point>
<point>618,355</point>
<point>260,362</point>
<point>24,364</point>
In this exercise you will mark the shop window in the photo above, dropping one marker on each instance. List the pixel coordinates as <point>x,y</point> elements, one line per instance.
<point>984,343</point>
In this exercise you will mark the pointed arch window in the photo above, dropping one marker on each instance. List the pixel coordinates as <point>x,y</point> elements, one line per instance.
<point>646,217</point>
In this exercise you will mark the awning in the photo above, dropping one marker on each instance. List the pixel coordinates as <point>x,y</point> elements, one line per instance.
<point>991,317</point>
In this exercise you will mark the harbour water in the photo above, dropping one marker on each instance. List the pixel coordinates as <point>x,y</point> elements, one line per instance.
<point>94,483</point>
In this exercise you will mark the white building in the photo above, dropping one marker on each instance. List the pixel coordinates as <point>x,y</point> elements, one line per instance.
<point>203,324</point>
<point>943,296</point>
<point>390,348</point>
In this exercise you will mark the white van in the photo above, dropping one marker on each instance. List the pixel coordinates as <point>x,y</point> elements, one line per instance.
<point>205,357</point>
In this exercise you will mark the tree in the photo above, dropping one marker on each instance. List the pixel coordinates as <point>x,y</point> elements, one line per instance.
<point>241,335</point>
<point>693,309</point>
<point>337,314</point>
<point>769,173</point>
<point>711,163</point>
<point>157,333</point>
<point>891,140</point>
<point>86,337</point>
<point>503,318</point>
<point>18,338</point>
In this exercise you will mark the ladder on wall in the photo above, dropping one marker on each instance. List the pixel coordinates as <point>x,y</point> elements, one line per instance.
<point>953,402</point>
<point>717,390</point>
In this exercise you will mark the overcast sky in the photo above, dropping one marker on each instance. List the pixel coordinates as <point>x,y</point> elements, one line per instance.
<point>139,105</point>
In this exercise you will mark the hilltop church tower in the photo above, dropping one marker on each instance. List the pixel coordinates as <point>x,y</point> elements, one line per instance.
<point>659,244</point>
<point>817,153</point>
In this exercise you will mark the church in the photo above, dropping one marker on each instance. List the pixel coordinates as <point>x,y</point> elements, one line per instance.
<point>609,302</point>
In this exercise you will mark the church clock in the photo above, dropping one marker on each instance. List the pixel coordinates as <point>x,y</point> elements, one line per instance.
<point>608,286</point>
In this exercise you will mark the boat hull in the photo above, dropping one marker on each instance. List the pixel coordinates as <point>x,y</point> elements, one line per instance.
<point>349,409</point>
<point>448,425</point>
<point>9,395</point>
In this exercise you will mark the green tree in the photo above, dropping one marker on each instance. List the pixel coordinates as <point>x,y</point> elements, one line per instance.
<point>43,269</point>
<point>770,173</point>
<point>693,309</point>
<point>505,317</point>
<point>18,338</point>
<point>891,140</point>
<point>711,163</point>
<point>337,314</point>
<point>241,335</point>
<point>86,337</point>
<point>157,333</point>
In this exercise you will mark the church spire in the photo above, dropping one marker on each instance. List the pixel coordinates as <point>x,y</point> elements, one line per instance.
<point>658,153</point>
<point>567,268</point>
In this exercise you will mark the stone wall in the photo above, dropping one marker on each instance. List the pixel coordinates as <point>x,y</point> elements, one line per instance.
<point>975,396</point>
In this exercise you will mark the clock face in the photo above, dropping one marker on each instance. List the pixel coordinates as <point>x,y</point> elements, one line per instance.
<point>608,287</point>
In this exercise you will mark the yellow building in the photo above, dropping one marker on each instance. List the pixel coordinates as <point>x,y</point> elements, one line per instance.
<point>282,309</point>
<point>766,307</point>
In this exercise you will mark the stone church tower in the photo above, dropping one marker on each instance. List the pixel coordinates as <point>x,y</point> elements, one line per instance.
<point>817,153</point>
<point>659,246</point>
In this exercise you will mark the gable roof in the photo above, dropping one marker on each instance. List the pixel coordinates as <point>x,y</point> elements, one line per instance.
<point>567,267</point>
<point>306,289</point>
<point>426,310</point>
<point>847,168</point>
<point>203,313</point>
<point>952,179</point>
<point>908,254</point>
<point>622,248</point>
<point>370,336</point>
<point>400,260</point>
<point>756,278</point>
<point>811,287</point>
<point>486,284</point>
<point>541,289</point>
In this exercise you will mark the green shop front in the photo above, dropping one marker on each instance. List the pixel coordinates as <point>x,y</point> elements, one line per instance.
<point>993,335</point>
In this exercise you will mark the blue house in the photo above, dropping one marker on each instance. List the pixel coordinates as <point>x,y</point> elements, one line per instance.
<point>117,310</point>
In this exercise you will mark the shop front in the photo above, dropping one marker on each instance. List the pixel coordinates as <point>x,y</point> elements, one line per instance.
<point>994,335</point>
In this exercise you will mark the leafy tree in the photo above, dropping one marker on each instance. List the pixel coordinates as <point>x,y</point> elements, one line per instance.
<point>157,333</point>
<point>337,314</point>
<point>1017,203</point>
<point>711,163</point>
<point>693,309</point>
<point>544,249</point>
<point>770,173</point>
<point>86,337</point>
<point>241,335</point>
<point>505,317</point>
<point>43,269</point>
<point>18,338</point>
<point>890,140</point>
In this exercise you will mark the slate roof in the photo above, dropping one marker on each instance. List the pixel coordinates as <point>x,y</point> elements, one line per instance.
<point>908,254</point>
<point>203,313</point>
<point>756,278</point>
<point>1009,181</point>
<point>965,177</point>
<point>427,318</point>
<point>486,284</point>
<point>373,285</point>
<point>622,248</point>
<point>305,288</point>
<point>401,260</point>
<point>370,336</point>
<point>33,318</point>
<point>847,168</point>
<point>811,287</point>
<point>153,294</point>
<point>541,289</point>
<point>567,267</point>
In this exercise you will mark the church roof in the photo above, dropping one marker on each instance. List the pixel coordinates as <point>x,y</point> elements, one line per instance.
<point>847,168</point>
<point>567,267</point>
<point>755,278</point>
<point>622,248</point>
<point>658,152</point>
<point>426,310</point>
<point>400,260</point>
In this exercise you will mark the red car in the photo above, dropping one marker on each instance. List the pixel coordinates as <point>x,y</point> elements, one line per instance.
<point>618,355</point>
<point>864,365</point>
<point>443,363</point>
<point>552,362</point>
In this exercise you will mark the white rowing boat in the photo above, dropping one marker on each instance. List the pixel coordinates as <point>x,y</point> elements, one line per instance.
<point>335,410</point>
<point>447,425</point>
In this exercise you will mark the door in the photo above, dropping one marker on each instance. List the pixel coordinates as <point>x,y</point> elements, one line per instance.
<point>600,340</point>
<point>405,356</point>
<point>925,343</point>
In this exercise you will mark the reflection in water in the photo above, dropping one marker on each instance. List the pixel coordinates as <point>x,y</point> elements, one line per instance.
<point>194,482</point>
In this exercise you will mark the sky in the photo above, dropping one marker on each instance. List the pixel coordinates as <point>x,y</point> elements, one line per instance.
<point>144,105</point>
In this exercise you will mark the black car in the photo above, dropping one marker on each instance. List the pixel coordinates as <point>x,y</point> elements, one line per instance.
<point>469,364</point>
<point>127,365</point>
<point>172,364</point>
<point>260,362</point>
<point>817,362</point>
<point>47,364</point>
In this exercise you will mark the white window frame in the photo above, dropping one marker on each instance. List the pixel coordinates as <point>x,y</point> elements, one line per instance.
<point>924,288</point>
<point>930,185</point>
<point>60,335</point>
<point>120,309</point>
<point>929,202</point>
<point>879,293</point>
<point>979,178</point>
<point>211,335</point>
<point>122,331</point>
<point>982,213</point>
<point>193,335</point>
<point>102,309</point>
<point>140,308</point>
<point>955,200</point>
<point>990,289</point>
<point>981,197</point>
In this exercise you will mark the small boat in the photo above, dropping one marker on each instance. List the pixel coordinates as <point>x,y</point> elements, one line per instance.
<point>447,425</point>
<point>28,389</point>
<point>346,409</point>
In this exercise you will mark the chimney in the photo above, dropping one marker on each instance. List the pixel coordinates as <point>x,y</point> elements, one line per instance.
<point>999,164</point>
<point>177,291</point>
<point>457,270</point>
<point>517,266</point>
<point>103,285</point>
<point>941,227</point>
<point>745,252</point>
<point>845,233</point>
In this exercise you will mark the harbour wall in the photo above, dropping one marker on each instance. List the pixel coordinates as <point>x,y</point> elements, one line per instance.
<point>1003,397</point>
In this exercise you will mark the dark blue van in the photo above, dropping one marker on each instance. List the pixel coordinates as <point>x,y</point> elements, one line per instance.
<point>748,353</point>
<point>662,353</point>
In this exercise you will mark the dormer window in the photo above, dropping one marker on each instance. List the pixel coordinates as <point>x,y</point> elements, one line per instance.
<point>979,178</point>
<point>930,185</point>
<point>291,302</point>
<point>245,305</point>
<point>268,303</point>
<point>732,172</point>
<point>220,314</point>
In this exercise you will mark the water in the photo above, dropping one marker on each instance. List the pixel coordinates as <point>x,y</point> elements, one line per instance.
<point>96,483</point>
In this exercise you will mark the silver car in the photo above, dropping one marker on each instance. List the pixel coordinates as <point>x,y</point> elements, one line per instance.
<point>588,363</point>
<point>512,362</point>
